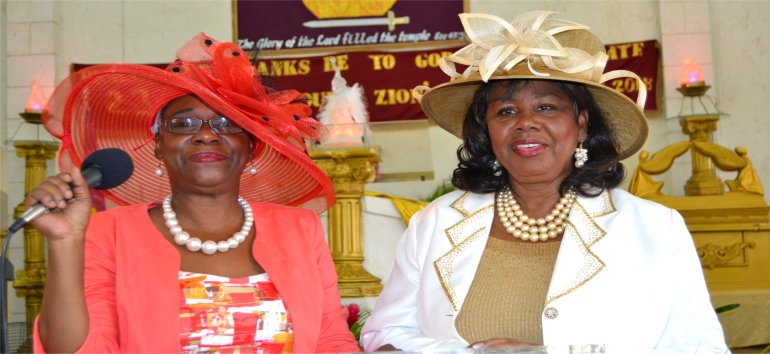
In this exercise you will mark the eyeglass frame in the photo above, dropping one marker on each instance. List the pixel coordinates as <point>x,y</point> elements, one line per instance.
<point>214,129</point>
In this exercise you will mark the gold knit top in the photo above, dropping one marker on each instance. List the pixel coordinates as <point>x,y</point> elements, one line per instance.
<point>508,293</point>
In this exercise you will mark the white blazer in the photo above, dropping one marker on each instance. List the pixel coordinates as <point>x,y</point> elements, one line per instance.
<point>627,278</point>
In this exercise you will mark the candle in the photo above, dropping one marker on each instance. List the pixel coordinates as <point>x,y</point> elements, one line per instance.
<point>691,74</point>
<point>37,100</point>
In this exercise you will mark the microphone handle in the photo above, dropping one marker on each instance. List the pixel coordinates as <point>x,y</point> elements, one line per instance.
<point>30,214</point>
<point>93,177</point>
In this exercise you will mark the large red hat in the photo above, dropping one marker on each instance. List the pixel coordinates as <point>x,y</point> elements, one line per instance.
<point>115,106</point>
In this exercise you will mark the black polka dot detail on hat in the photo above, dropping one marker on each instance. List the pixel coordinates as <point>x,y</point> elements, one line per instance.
<point>296,117</point>
<point>178,64</point>
<point>208,42</point>
<point>235,54</point>
<point>266,119</point>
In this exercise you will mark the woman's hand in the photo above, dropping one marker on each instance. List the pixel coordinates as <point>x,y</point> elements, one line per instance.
<point>69,201</point>
<point>387,348</point>
<point>63,322</point>
<point>499,343</point>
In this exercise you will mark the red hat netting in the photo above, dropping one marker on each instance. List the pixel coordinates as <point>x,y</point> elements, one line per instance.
<point>115,105</point>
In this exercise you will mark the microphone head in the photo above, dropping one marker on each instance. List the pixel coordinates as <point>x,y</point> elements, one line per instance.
<point>114,164</point>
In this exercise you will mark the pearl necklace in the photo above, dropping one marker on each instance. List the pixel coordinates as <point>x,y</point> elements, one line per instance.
<point>195,244</point>
<point>525,228</point>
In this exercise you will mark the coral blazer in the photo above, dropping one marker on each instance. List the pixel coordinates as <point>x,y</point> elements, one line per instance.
<point>132,281</point>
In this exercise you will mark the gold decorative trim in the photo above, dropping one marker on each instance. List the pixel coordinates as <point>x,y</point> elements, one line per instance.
<point>234,13</point>
<point>592,263</point>
<point>454,232</point>
<point>406,176</point>
<point>459,204</point>
<point>713,256</point>
<point>595,233</point>
<point>608,205</point>
<point>704,156</point>
<point>444,269</point>
<point>579,283</point>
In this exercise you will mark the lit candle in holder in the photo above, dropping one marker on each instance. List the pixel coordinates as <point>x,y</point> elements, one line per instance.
<point>36,102</point>
<point>691,80</point>
<point>691,74</point>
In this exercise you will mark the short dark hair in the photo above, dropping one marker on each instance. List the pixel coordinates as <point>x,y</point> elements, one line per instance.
<point>475,171</point>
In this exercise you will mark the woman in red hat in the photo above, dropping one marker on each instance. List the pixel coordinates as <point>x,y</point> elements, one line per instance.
<point>207,251</point>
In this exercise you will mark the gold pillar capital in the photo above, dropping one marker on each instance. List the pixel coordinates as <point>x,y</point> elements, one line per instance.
<point>30,282</point>
<point>350,169</point>
<point>704,180</point>
<point>699,127</point>
<point>35,149</point>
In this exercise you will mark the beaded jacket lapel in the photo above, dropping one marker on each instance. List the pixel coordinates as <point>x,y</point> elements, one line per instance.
<point>576,264</point>
<point>467,238</point>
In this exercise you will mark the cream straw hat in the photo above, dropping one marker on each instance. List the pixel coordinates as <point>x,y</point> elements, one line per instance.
<point>534,46</point>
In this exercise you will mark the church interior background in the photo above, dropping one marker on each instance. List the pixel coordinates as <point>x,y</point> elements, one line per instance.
<point>706,154</point>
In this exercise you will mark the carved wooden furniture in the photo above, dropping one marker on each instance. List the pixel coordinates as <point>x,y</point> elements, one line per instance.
<point>730,228</point>
<point>728,221</point>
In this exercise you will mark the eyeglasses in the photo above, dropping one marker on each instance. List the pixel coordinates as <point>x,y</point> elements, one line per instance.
<point>191,126</point>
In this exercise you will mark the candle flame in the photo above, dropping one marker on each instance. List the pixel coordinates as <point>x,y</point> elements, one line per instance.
<point>691,74</point>
<point>37,99</point>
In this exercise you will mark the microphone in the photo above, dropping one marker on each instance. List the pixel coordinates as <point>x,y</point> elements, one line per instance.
<point>103,169</point>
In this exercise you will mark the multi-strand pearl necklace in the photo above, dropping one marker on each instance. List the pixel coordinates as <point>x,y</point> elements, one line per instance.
<point>526,228</point>
<point>195,244</point>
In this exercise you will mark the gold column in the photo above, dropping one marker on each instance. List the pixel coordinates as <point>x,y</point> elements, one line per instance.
<point>350,169</point>
<point>704,180</point>
<point>30,281</point>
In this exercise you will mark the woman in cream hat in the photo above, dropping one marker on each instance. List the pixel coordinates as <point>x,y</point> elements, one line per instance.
<point>208,250</point>
<point>539,246</point>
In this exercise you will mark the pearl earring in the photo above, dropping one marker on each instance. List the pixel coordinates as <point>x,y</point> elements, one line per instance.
<point>159,170</point>
<point>497,170</point>
<point>581,155</point>
<point>252,170</point>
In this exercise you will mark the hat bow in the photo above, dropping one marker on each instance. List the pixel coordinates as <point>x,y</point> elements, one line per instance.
<point>498,46</point>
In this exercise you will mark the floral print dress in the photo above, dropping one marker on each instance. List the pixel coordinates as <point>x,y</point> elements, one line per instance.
<point>232,315</point>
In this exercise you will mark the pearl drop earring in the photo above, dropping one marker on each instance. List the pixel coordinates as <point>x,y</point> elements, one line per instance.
<point>497,169</point>
<point>159,170</point>
<point>252,170</point>
<point>581,155</point>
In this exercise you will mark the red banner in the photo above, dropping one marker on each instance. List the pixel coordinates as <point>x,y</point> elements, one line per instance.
<point>270,25</point>
<point>642,58</point>
<point>388,77</point>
